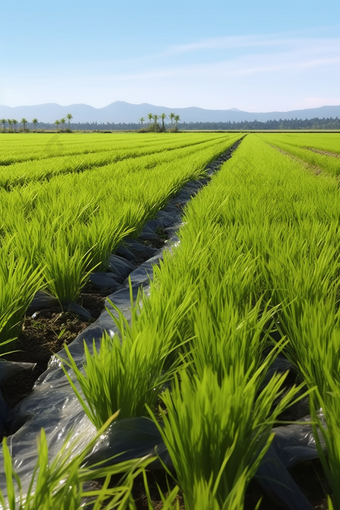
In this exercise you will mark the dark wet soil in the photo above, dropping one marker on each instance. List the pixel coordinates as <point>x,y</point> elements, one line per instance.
<point>43,334</point>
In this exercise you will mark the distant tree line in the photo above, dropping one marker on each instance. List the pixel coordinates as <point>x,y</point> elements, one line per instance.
<point>158,124</point>
<point>316,123</point>
<point>10,125</point>
<point>153,124</point>
<point>280,124</point>
<point>14,125</point>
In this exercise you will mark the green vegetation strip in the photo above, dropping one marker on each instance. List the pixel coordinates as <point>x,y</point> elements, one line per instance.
<point>299,146</point>
<point>16,148</point>
<point>62,229</point>
<point>259,254</point>
<point>208,318</point>
<point>62,162</point>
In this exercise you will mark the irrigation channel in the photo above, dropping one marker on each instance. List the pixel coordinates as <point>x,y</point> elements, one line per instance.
<point>53,405</point>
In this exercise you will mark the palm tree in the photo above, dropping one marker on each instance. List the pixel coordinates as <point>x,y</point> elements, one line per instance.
<point>14,122</point>
<point>3,122</point>
<point>69,117</point>
<point>10,124</point>
<point>57,122</point>
<point>155,119</point>
<point>177,119</point>
<point>35,122</point>
<point>150,117</point>
<point>141,120</point>
<point>24,123</point>
<point>172,116</point>
<point>163,116</point>
<point>62,121</point>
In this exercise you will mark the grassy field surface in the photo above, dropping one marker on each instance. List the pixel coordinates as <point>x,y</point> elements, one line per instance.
<point>256,274</point>
<point>321,153</point>
<point>62,216</point>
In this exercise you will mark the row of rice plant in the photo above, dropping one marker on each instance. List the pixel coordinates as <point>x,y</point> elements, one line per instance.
<point>236,428</point>
<point>299,253</point>
<point>17,148</point>
<point>47,491</point>
<point>296,147</point>
<point>259,251</point>
<point>40,170</point>
<point>324,142</point>
<point>68,226</point>
<point>305,278</point>
<point>260,245</point>
<point>206,327</point>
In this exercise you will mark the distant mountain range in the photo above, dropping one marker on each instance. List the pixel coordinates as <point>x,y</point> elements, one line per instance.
<point>120,111</point>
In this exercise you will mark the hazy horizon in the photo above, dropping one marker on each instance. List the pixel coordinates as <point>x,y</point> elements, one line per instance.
<point>256,57</point>
<point>166,106</point>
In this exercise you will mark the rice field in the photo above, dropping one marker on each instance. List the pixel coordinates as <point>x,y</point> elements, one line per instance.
<point>254,278</point>
<point>61,218</point>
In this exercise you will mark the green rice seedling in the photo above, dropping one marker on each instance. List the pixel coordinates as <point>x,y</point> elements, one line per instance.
<point>18,285</point>
<point>30,239</point>
<point>170,327</point>
<point>216,434</point>
<point>229,337</point>
<point>104,231</point>
<point>122,375</point>
<point>65,271</point>
<point>313,329</point>
<point>59,483</point>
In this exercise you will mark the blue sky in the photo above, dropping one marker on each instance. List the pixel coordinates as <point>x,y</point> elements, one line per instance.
<point>255,56</point>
